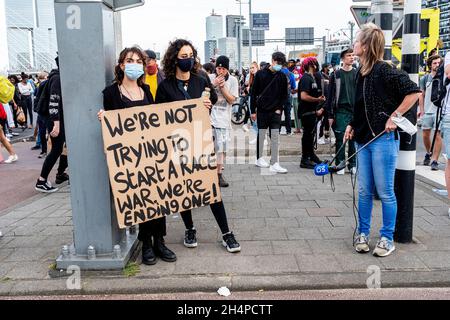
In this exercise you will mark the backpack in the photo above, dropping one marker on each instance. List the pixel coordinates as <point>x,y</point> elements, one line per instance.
<point>439,87</point>
<point>42,99</point>
<point>6,90</point>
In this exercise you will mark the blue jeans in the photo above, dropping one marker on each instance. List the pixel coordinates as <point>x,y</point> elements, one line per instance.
<point>376,168</point>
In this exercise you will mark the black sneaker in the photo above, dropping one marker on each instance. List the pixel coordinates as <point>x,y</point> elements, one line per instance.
<point>60,178</point>
<point>160,249</point>
<point>45,186</point>
<point>315,159</point>
<point>222,182</point>
<point>229,241</point>
<point>190,238</point>
<point>36,147</point>
<point>148,256</point>
<point>427,160</point>
<point>42,155</point>
<point>307,164</point>
<point>434,165</point>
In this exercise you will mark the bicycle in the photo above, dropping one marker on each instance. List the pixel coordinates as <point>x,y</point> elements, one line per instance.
<point>240,110</point>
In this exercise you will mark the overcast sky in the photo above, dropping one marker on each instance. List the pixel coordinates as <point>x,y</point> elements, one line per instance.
<point>159,21</point>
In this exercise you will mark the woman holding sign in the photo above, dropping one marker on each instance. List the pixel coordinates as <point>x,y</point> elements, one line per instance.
<point>129,90</point>
<point>183,83</point>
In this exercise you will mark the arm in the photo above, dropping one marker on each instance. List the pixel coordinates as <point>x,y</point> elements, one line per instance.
<point>55,105</point>
<point>306,97</point>
<point>255,91</point>
<point>213,95</point>
<point>329,106</point>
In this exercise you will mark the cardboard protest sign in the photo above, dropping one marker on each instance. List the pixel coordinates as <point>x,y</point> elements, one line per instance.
<point>160,159</point>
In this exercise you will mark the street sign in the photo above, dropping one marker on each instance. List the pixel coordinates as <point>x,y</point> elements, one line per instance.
<point>258,38</point>
<point>260,21</point>
<point>363,15</point>
<point>299,36</point>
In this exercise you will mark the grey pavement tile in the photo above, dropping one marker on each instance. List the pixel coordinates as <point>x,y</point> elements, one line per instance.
<point>250,222</point>
<point>284,197</point>
<point>5,267</point>
<point>194,265</point>
<point>337,232</point>
<point>342,221</point>
<point>256,187</point>
<point>27,255</point>
<point>432,202</point>
<point>330,246</point>
<point>161,269</point>
<point>302,204</point>
<point>276,264</point>
<point>265,233</point>
<point>436,259</point>
<point>6,222</point>
<point>5,240</point>
<point>273,194</point>
<point>291,247</point>
<point>28,230</point>
<point>303,233</point>
<point>274,204</point>
<point>357,262</point>
<point>5,253</point>
<point>323,212</point>
<point>56,230</point>
<point>287,213</point>
<point>56,242</point>
<point>429,244</point>
<point>281,222</point>
<point>28,270</point>
<point>437,211</point>
<point>304,222</point>
<point>265,212</point>
<point>33,241</point>
<point>331,204</point>
<point>401,260</point>
<point>421,212</point>
<point>329,196</point>
<point>437,231</point>
<point>318,263</point>
<point>60,213</point>
<point>252,248</point>
<point>61,221</point>
<point>438,220</point>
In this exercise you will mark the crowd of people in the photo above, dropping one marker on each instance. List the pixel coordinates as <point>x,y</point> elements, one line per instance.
<point>356,101</point>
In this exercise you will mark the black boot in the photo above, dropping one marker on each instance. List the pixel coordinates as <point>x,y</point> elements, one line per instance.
<point>148,256</point>
<point>222,182</point>
<point>162,251</point>
<point>306,164</point>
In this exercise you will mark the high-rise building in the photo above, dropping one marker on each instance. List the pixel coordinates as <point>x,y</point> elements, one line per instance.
<point>228,47</point>
<point>31,35</point>
<point>214,26</point>
<point>210,50</point>
<point>444,23</point>
<point>232,23</point>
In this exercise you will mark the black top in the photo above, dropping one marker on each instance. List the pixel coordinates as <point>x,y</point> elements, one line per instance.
<point>171,89</point>
<point>361,128</point>
<point>113,99</point>
<point>268,99</point>
<point>312,86</point>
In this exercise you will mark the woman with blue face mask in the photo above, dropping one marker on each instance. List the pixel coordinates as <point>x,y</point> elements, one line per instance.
<point>129,90</point>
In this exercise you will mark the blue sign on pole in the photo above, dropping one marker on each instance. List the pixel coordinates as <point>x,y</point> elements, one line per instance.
<point>260,21</point>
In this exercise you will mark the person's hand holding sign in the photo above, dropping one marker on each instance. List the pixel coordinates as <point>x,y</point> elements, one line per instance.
<point>100,114</point>
<point>207,103</point>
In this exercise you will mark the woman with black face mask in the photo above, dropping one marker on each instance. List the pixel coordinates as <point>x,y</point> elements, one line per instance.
<point>182,83</point>
<point>129,90</point>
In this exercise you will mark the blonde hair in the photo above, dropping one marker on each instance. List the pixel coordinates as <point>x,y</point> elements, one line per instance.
<point>372,38</point>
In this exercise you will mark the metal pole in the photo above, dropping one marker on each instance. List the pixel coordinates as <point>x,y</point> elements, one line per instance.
<point>406,166</point>
<point>324,43</point>
<point>352,25</point>
<point>383,12</point>
<point>86,30</point>
<point>250,23</point>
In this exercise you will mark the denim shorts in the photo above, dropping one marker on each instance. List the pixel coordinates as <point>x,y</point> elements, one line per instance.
<point>429,121</point>
<point>221,138</point>
<point>445,131</point>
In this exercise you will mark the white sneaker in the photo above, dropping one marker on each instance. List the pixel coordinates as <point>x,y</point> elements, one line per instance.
<point>341,172</point>
<point>12,159</point>
<point>321,141</point>
<point>277,168</point>
<point>9,135</point>
<point>245,128</point>
<point>1,234</point>
<point>262,163</point>
<point>353,170</point>
<point>252,141</point>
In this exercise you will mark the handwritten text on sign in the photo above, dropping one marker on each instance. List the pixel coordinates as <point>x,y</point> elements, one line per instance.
<point>160,159</point>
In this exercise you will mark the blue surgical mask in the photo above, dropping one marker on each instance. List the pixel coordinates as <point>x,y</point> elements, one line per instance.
<point>134,70</point>
<point>277,67</point>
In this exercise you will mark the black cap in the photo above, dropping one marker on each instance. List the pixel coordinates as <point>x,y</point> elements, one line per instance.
<point>151,54</point>
<point>223,62</point>
<point>291,60</point>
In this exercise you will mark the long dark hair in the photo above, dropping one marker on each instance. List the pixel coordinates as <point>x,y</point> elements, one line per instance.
<point>118,71</point>
<point>170,58</point>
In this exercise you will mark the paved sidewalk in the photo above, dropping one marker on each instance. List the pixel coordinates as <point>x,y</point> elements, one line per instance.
<point>294,232</point>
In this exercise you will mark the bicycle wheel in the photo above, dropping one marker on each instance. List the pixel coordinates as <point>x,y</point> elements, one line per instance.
<point>238,113</point>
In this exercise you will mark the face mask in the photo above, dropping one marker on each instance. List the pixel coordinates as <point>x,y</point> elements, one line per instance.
<point>277,67</point>
<point>151,70</point>
<point>185,65</point>
<point>133,71</point>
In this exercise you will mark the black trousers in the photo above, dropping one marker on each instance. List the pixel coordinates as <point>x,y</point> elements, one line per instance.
<point>55,153</point>
<point>27,106</point>
<point>153,228</point>
<point>218,210</point>
<point>308,123</point>
<point>42,130</point>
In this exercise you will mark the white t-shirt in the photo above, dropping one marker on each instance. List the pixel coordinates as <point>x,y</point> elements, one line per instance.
<point>426,86</point>
<point>221,111</point>
<point>446,104</point>
<point>25,89</point>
